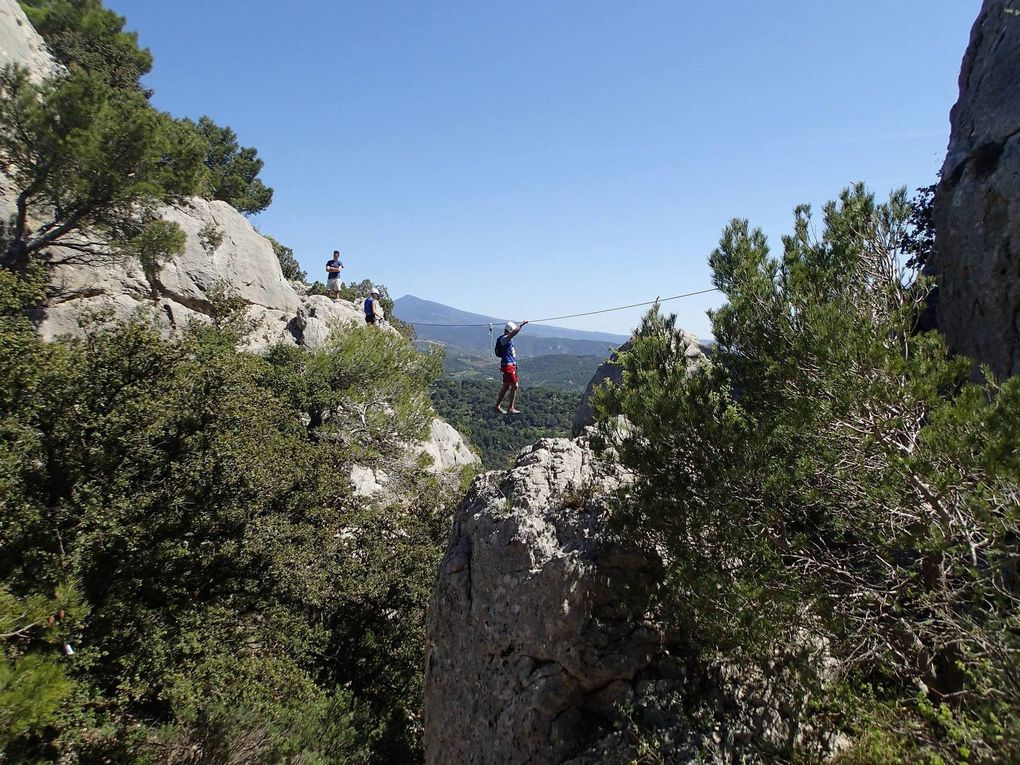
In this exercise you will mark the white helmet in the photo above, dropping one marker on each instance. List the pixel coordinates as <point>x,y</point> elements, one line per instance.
<point>509,327</point>
<point>373,291</point>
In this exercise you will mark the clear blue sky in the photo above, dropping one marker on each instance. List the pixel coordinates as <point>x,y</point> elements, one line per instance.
<point>542,158</point>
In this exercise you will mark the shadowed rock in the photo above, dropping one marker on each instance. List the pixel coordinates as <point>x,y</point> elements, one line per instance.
<point>977,213</point>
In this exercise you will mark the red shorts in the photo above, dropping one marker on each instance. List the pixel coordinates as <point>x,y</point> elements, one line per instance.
<point>509,374</point>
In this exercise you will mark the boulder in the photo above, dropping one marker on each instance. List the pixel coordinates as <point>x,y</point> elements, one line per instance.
<point>224,258</point>
<point>448,454</point>
<point>537,615</point>
<point>977,208</point>
<point>447,448</point>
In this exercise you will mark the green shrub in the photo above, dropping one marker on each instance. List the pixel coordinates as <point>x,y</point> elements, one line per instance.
<point>236,594</point>
<point>834,474</point>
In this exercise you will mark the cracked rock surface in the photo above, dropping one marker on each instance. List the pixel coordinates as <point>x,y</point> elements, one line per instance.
<point>977,214</point>
<point>537,624</point>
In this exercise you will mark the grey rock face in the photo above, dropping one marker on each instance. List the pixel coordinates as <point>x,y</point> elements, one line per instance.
<point>21,44</point>
<point>539,635</point>
<point>977,214</point>
<point>237,262</point>
<point>537,620</point>
<point>445,446</point>
<point>609,371</point>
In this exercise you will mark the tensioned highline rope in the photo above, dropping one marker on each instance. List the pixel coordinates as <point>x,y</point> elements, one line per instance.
<point>586,313</point>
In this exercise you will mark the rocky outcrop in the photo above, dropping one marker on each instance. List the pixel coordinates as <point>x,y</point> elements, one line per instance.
<point>225,258</point>
<point>977,215</point>
<point>21,44</point>
<point>447,448</point>
<point>609,371</point>
<point>541,645</point>
<point>536,620</point>
<point>448,454</point>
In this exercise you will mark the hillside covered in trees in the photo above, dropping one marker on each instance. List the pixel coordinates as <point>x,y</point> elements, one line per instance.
<point>468,406</point>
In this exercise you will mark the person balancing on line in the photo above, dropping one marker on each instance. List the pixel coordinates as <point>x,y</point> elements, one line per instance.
<point>508,366</point>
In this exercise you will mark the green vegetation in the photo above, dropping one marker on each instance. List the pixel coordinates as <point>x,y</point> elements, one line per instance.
<point>83,35</point>
<point>565,372</point>
<point>90,164</point>
<point>229,598</point>
<point>834,480</point>
<point>232,170</point>
<point>467,405</point>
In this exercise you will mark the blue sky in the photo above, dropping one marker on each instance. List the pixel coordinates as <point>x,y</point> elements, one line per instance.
<point>535,159</point>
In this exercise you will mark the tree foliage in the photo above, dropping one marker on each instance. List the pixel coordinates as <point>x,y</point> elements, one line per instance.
<point>833,479</point>
<point>232,170</point>
<point>84,35</point>
<point>237,599</point>
<point>90,164</point>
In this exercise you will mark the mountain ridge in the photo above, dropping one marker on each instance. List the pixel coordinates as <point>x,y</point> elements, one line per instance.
<point>416,310</point>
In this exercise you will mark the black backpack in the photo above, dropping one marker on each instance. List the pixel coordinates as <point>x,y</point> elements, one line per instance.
<point>500,346</point>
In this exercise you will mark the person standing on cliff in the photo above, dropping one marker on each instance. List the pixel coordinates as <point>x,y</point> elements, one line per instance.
<point>508,366</point>
<point>373,308</point>
<point>333,269</point>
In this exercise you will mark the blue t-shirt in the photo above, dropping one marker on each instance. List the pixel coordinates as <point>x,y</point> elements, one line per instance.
<point>509,354</point>
<point>333,274</point>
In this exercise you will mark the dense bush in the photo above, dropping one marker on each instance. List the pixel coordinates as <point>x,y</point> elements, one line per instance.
<point>190,509</point>
<point>833,480</point>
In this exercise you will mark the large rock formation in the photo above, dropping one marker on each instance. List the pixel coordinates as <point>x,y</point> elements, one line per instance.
<point>535,623</point>
<point>447,451</point>
<point>21,44</point>
<point>541,648</point>
<point>224,258</point>
<point>977,213</point>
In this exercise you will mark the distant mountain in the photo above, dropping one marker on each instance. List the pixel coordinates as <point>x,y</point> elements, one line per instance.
<point>535,340</point>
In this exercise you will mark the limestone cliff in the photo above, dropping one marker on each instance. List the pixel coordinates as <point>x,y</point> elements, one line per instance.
<point>224,256</point>
<point>542,648</point>
<point>977,215</point>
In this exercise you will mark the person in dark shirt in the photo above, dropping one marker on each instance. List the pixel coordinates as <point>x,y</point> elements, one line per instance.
<point>508,366</point>
<point>373,308</point>
<point>333,269</point>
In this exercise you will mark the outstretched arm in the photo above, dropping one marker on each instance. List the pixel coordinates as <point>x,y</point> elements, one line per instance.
<point>519,328</point>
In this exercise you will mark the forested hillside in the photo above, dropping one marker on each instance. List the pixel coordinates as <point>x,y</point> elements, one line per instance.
<point>467,405</point>
<point>561,372</point>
